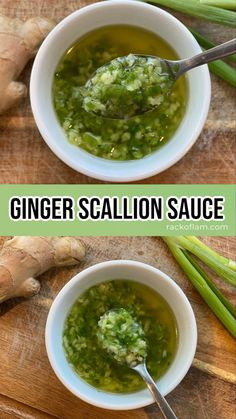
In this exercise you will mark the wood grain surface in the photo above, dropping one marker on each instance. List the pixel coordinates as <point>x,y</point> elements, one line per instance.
<point>25,158</point>
<point>29,388</point>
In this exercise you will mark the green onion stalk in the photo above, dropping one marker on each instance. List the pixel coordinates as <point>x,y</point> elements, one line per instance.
<point>224,4</point>
<point>206,44</point>
<point>225,268</point>
<point>199,10</point>
<point>218,67</point>
<point>182,249</point>
<point>224,71</point>
<point>211,284</point>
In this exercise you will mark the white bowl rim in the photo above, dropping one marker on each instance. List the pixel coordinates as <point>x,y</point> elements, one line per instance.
<point>78,277</point>
<point>105,176</point>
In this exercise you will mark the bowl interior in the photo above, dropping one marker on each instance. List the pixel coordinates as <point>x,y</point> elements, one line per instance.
<point>78,24</point>
<point>134,271</point>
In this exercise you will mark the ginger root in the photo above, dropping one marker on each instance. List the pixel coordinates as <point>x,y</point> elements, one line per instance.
<point>19,42</point>
<point>23,258</point>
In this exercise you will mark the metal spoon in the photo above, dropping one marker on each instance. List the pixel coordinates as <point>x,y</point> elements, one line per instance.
<point>165,408</point>
<point>177,68</point>
<point>173,69</point>
<point>112,331</point>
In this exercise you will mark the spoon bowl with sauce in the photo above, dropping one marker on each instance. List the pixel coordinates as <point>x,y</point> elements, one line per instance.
<point>136,84</point>
<point>121,335</point>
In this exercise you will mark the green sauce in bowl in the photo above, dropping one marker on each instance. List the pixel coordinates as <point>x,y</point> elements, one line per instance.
<point>107,138</point>
<point>87,355</point>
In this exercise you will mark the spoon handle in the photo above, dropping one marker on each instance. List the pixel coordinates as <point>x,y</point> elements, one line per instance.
<point>160,400</point>
<point>205,57</point>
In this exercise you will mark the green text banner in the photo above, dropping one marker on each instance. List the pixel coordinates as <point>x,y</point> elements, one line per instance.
<point>117,210</point>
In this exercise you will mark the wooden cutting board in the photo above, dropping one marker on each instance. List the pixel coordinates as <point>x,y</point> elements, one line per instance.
<point>25,158</point>
<point>30,390</point>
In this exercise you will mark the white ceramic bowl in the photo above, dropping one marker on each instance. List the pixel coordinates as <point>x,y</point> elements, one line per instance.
<point>78,24</point>
<point>135,271</point>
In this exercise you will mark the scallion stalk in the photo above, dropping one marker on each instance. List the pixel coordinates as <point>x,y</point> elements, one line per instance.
<point>224,71</point>
<point>205,43</point>
<point>199,282</point>
<point>196,9</point>
<point>211,284</point>
<point>218,67</point>
<point>226,261</point>
<point>222,266</point>
<point>225,4</point>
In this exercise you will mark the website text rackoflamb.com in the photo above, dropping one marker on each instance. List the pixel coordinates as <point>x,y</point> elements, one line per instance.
<point>196,227</point>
